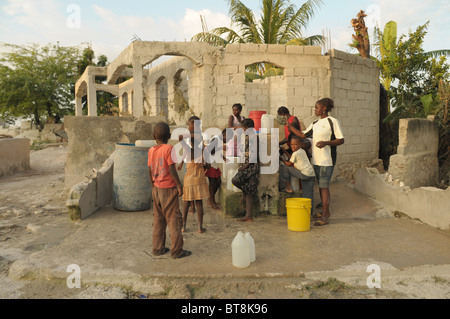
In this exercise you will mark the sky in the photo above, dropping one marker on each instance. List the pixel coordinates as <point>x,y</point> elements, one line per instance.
<point>110,26</point>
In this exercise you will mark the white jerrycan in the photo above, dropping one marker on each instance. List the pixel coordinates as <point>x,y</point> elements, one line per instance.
<point>251,243</point>
<point>240,250</point>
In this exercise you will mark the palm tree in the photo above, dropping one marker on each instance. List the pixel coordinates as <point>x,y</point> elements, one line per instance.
<point>280,23</point>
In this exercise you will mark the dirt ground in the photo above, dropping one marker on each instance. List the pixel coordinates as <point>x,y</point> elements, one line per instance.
<point>33,201</point>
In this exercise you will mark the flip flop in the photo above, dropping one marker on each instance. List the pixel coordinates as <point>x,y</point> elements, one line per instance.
<point>164,251</point>
<point>184,253</point>
<point>321,222</point>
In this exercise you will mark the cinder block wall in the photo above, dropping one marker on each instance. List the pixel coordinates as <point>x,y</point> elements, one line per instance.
<point>355,90</point>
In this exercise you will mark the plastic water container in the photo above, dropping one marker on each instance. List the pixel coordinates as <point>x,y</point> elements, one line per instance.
<point>298,214</point>
<point>230,186</point>
<point>256,117</point>
<point>267,121</point>
<point>240,251</point>
<point>132,189</point>
<point>145,143</point>
<point>251,242</point>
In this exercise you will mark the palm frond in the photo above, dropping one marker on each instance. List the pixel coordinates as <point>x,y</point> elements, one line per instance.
<point>298,20</point>
<point>210,38</point>
<point>245,20</point>
<point>437,53</point>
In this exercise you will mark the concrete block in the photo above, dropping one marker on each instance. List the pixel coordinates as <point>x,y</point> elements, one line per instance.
<point>249,48</point>
<point>418,136</point>
<point>82,200</point>
<point>276,48</point>
<point>295,49</point>
<point>233,48</point>
<point>313,50</point>
<point>14,155</point>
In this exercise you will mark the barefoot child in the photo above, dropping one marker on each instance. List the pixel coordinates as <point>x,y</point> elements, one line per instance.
<point>299,167</point>
<point>166,188</point>
<point>195,186</point>
<point>247,177</point>
<point>194,127</point>
<point>214,174</point>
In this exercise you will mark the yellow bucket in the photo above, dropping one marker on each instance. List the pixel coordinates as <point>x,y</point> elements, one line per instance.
<point>298,214</point>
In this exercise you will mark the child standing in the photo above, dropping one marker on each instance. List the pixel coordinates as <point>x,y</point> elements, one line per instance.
<point>165,192</point>
<point>247,177</point>
<point>214,174</point>
<point>299,167</point>
<point>195,186</point>
<point>194,127</point>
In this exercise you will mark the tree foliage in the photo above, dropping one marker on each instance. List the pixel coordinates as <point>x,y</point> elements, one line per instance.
<point>280,23</point>
<point>37,81</point>
<point>410,75</point>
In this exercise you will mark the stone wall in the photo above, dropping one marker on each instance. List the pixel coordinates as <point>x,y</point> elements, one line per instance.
<point>14,155</point>
<point>92,140</point>
<point>416,163</point>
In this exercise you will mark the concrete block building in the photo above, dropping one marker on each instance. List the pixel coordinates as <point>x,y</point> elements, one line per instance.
<point>206,81</point>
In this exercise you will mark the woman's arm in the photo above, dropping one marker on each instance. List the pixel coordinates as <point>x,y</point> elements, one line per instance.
<point>322,144</point>
<point>230,121</point>
<point>296,131</point>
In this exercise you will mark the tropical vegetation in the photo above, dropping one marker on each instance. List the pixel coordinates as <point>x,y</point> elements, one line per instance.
<point>281,22</point>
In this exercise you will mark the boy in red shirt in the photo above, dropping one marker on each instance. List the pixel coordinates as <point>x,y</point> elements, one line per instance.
<point>165,192</point>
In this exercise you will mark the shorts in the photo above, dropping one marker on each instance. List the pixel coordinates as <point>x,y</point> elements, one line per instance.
<point>323,175</point>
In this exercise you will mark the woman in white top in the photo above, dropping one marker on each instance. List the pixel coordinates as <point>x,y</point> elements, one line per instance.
<point>327,135</point>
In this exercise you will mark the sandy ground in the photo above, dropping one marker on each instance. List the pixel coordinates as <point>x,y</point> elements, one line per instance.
<point>33,218</point>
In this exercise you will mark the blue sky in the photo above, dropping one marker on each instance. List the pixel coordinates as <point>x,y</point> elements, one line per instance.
<point>109,26</point>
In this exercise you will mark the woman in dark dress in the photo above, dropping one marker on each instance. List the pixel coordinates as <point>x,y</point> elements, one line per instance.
<point>247,177</point>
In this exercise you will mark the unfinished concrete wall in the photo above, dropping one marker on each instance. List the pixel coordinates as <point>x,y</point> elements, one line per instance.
<point>216,81</point>
<point>14,155</point>
<point>92,140</point>
<point>416,162</point>
<point>355,91</point>
<point>428,204</point>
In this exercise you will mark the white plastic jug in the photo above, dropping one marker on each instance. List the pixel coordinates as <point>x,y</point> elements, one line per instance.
<point>251,243</point>
<point>145,143</point>
<point>267,121</point>
<point>240,251</point>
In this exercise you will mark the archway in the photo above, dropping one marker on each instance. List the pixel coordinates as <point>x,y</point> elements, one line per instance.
<point>162,97</point>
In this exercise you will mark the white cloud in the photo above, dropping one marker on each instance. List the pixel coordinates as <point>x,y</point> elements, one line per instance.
<point>35,14</point>
<point>409,14</point>
<point>191,23</point>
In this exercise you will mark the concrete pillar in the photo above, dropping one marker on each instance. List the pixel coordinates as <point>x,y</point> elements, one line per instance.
<point>138,95</point>
<point>92,97</point>
<point>78,106</point>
